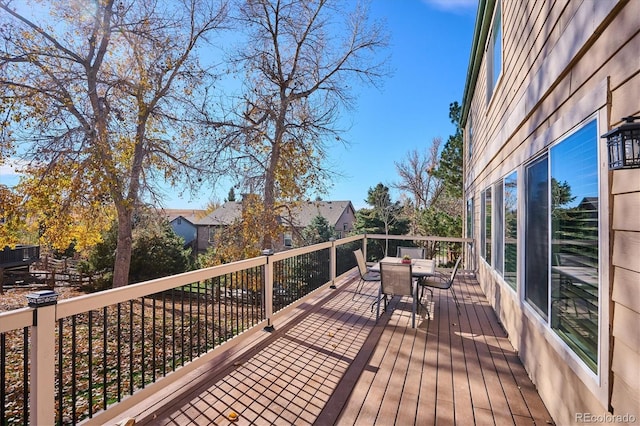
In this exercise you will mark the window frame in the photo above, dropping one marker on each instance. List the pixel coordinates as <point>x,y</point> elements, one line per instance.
<point>497,28</point>
<point>287,236</point>
<point>568,138</point>
<point>597,381</point>
<point>498,227</point>
<point>511,177</point>
<point>486,226</point>
<point>541,311</point>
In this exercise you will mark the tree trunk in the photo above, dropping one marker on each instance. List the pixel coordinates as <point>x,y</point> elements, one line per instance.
<point>123,248</point>
<point>269,210</point>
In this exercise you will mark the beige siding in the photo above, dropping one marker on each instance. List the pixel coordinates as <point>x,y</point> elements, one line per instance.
<point>566,62</point>
<point>625,397</point>
<point>626,249</point>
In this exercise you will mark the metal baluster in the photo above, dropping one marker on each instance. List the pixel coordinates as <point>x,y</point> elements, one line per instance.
<point>190,324</point>
<point>173,329</point>
<point>60,369</point>
<point>118,357</point>
<point>131,376</point>
<point>153,340</point>
<point>164,334</point>
<point>142,341</point>
<point>25,375</point>
<point>206,315</point>
<point>182,325</point>
<point>74,417</point>
<point>104,359</point>
<point>90,366</point>
<point>3,386</point>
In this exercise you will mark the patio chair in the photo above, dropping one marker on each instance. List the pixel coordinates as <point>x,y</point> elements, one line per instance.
<point>396,280</point>
<point>442,282</point>
<point>412,252</point>
<point>365,274</point>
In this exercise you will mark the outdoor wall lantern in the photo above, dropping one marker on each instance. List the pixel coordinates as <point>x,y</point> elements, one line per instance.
<point>623,145</point>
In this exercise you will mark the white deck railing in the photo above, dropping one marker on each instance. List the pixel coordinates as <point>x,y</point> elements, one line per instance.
<point>91,357</point>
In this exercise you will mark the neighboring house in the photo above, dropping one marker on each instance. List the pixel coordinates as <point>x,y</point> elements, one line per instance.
<point>558,235</point>
<point>340,215</point>
<point>192,225</point>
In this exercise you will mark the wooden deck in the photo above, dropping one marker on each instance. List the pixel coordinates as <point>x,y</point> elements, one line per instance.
<point>333,364</point>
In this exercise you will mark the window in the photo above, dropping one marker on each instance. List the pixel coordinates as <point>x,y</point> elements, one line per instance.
<point>511,229</point>
<point>536,247</point>
<point>494,52</point>
<point>485,237</point>
<point>288,239</point>
<point>470,135</point>
<point>499,231</point>
<point>574,242</point>
<point>561,241</point>
<point>470,218</point>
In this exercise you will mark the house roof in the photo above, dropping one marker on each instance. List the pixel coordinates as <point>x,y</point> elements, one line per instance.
<point>480,34</point>
<point>196,217</point>
<point>226,214</point>
<point>301,215</point>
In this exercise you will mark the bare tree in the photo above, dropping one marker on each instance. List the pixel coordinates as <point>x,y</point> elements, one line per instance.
<point>417,179</point>
<point>101,98</point>
<point>300,63</point>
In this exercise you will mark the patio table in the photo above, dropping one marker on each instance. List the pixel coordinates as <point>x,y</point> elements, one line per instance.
<point>420,268</point>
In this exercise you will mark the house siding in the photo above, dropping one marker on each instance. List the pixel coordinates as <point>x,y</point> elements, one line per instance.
<point>348,217</point>
<point>565,63</point>
<point>625,363</point>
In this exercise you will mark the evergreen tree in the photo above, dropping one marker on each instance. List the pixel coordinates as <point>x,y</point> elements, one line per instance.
<point>450,168</point>
<point>232,195</point>
<point>318,231</point>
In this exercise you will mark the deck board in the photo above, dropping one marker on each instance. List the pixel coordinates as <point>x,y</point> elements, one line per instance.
<point>337,365</point>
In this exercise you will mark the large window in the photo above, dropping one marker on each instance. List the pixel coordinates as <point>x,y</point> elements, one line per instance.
<point>499,230</point>
<point>470,218</point>
<point>574,242</point>
<point>494,52</point>
<point>536,248</point>
<point>485,237</point>
<point>511,229</point>
<point>561,277</point>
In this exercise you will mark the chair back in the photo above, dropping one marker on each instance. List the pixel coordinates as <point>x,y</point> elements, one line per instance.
<point>362,265</point>
<point>395,278</point>
<point>412,252</point>
<point>455,271</point>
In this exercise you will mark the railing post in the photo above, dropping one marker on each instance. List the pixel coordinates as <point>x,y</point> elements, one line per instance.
<point>42,399</point>
<point>364,247</point>
<point>268,289</point>
<point>332,262</point>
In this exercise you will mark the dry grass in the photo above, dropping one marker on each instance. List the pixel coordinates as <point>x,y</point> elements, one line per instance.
<point>123,329</point>
<point>15,298</point>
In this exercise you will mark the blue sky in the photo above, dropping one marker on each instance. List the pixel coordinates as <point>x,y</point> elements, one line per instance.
<point>430,45</point>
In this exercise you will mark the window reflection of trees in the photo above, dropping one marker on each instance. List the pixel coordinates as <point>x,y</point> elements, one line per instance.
<point>574,244</point>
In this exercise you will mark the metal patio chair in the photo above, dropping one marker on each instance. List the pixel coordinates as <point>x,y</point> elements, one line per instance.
<point>365,274</point>
<point>396,280</point>
<point>412,252</point>
<point>442,282</point>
